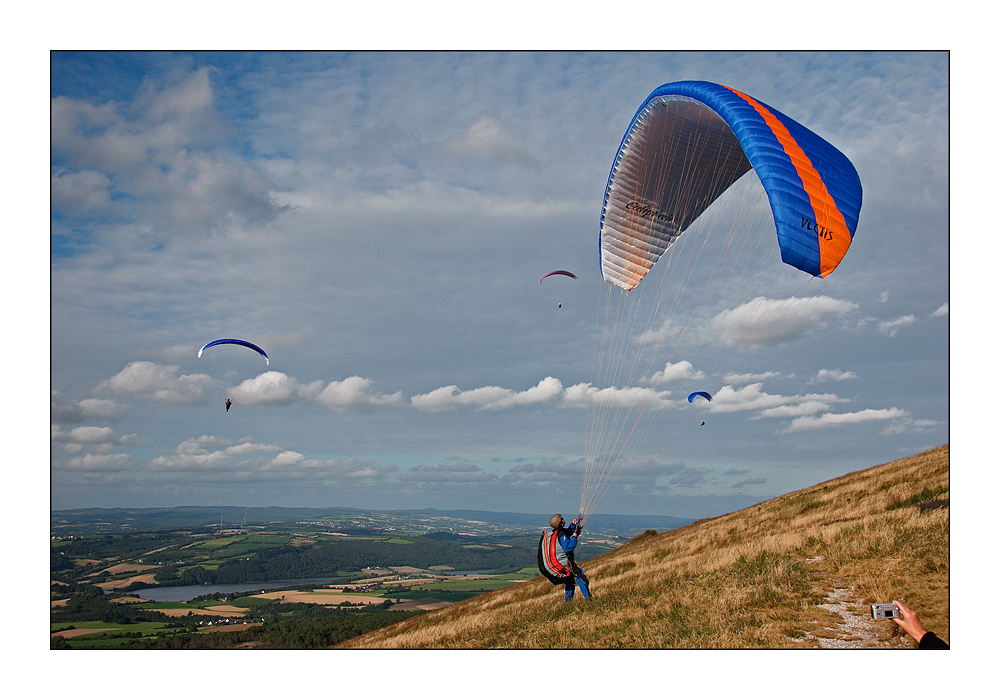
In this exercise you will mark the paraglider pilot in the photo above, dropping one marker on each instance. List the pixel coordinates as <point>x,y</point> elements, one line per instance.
<point>568,538</point>
<point>228,404</point>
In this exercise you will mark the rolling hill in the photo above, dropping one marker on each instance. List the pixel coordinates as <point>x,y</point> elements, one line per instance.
<point>798,571</point>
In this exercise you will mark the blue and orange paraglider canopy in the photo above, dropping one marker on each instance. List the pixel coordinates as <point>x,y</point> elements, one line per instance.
<point>705,181</point>
<point>813,189</point>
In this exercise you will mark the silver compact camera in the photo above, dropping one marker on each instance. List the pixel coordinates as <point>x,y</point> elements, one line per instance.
<point>885,611</point>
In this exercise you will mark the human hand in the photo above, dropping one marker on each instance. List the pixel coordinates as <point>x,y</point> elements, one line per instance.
<point>910,621</point>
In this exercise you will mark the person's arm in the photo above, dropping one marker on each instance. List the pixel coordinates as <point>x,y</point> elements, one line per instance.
<point>567,542</point>
<point>910,622</point>
<point>931,641</point>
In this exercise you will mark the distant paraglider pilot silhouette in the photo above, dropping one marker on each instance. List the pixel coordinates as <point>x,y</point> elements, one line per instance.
<point>228,404</point>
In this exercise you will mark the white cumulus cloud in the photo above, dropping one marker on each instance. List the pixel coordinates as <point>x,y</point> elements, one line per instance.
<point>798,407</point>
<point>87,434</point>
<point>754,398</point>
<point>750,377</point>
<point>100,462</point>
<point>247,448</point>
<point>828,420</point>
<point>677,371</point>
<point>832,375</point>
<point>771,321</point>
<point>274,388</point>
<point>488,397</point>
<point>157,382</point>
<point>197,445</point>
<point>287,458</point>
<point>585,394</point>
<point>890,328</point>
<point>354,393</point>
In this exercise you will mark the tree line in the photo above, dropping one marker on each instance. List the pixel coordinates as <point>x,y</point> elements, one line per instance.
<point>327,558</point>
<point>317,632</point>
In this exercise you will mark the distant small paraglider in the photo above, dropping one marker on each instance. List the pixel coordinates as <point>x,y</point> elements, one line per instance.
<point>564,273</point>
<point>699,394</point>
<point>231,361</point>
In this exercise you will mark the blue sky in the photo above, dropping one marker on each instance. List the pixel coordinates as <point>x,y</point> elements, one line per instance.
<point>379,223</point>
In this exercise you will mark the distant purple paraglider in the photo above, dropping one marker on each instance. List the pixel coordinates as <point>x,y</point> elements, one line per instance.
<point>567,273</point>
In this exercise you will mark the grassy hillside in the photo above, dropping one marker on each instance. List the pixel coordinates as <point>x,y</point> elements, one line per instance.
<point>797,571</point>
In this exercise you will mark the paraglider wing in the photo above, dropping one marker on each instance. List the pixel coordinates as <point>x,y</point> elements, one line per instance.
<point>567,273</point>
<point>688,142</point>
<point>235,341</point>
<point>697,160</point>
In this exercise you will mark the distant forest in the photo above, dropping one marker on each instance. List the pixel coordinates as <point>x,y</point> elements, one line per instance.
<point>309,560</point>
<point>327,558</point>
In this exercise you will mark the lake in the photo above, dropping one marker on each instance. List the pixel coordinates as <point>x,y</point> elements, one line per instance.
<point>178,594</point>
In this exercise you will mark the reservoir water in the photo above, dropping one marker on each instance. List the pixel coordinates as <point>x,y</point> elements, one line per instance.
<point>178,594</point>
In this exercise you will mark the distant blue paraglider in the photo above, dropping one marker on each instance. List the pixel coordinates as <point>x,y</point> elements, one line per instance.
<point>230,364</point>
<point>704,394</point>
<point>236,341</point>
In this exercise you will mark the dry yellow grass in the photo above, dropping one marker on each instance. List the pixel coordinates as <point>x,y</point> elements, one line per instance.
<point>756,578</point>
<point>124,583</point>
<point>69,634</point>
<point>227,609</point>
<point>321,597</point>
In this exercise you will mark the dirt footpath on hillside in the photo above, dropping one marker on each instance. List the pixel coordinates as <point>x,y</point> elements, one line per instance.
<point>856,629</point>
